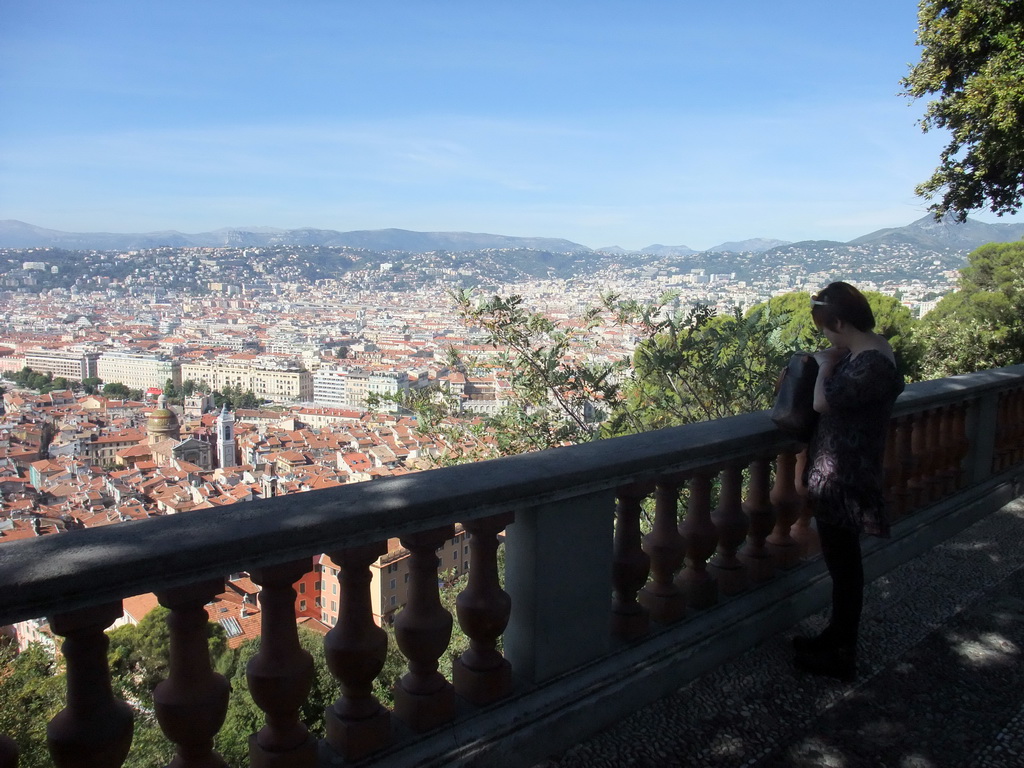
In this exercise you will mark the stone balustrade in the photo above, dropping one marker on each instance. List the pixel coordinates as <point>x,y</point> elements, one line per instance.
<point>594,619</point>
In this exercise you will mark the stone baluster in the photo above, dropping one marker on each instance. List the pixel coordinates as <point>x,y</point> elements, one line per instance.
<point>280,676</point>
<point>1018,420</point>
<point>8,752</point>
<point>786,503</point>
<point>356,649</point>
<point>936,454</point>
<point>95,729</point>
<point>1013,415</point>
<point>1002,437</point>
<point>423,629</point>
<point>1014,427</point>
<point>732,526</point>
<point>630,565</point>
<point>701,537</point>
<point>664,545</point>
<point>758,508</point>
<point>904,459</point>
<point>917,483</point>
<point>192,702</point>
<point>962,444</point>
<point>481,675</point>
<point>803,532</point>
<point>890,468</point>
<point>950,460</point>
<point>1008,413</point>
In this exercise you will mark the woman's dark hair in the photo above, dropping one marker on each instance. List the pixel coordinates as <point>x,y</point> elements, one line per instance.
<point>841,301</point>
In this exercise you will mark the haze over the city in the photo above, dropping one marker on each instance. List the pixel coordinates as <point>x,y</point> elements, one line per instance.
<point>605,123</point>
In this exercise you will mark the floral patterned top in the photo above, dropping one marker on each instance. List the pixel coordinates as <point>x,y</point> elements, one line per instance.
<point>844,468</point>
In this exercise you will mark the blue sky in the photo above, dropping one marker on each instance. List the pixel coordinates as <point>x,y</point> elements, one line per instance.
<point>607,123</point>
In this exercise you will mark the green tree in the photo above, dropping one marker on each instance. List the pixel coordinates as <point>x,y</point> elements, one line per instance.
<point>116,390</point>
<point>32,691</point>
<point>972,61</point>
<point>140,653</point>
<point>139,658</point>
<point>171,392</point>
<point>893,320</point>
<point>90,384</point>
<point>558,396</point>
<point>979,325</point>
<point>697,366</point>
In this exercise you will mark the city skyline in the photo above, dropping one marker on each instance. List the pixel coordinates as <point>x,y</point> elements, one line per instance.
<point>602,124</point>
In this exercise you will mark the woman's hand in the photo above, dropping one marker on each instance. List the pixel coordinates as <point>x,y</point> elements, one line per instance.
<point>827,358</point>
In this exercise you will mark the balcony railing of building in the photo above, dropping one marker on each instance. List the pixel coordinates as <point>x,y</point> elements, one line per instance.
<point>595,619</point>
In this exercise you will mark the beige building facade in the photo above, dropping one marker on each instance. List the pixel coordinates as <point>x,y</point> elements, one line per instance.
<point>67,363</point>
<point>138,370</point>
<point>389,584</point>
<point>281,384</point>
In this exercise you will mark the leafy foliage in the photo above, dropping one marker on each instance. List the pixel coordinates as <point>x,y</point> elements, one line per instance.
<point>233,397</point>
<point>41,382</point>
<point>696,366</point>
<point>116,390</point>
<point>892,320</point>
<point>244,717</point>
<point>979,325</point>
<point>558,395</point>
<point>32,691</point>
<point>972,59</point>
<point>139,657</point>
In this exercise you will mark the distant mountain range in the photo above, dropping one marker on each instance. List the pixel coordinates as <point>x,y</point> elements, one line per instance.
<point>17,234</point>
<point>925,233</point>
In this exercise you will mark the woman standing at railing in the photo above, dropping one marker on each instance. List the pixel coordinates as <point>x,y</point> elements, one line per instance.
<point>857,384</point>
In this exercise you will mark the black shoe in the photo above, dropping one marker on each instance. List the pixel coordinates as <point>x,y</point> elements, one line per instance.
<point>839,662</point>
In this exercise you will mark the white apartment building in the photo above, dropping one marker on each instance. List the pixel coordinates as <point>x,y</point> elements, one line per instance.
<point>60,362</point>
<point>330,387</point>
<point>138,370</point>
<point>271,380</point>
<point>387,384</point>
<point>350,387</point>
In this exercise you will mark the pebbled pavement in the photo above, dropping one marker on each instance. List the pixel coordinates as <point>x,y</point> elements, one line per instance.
<point>940,684</point>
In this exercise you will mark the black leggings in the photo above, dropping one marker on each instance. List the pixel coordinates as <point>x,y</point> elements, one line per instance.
<point>841,549</point>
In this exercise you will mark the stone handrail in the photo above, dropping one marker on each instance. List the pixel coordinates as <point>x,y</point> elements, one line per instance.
<point>573,540</point>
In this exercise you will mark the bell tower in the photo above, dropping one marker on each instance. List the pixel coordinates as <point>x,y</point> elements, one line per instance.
<point>226,439</point>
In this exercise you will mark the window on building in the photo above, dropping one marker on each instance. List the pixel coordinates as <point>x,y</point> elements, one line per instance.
<point>455,554</point>
<point>319,603</point>
<point>334,588</point>
<point>465,550</point>
<point>334,606</point>
<point>302,605</point>
<point>394,583</point>
<point>318,585</point>
<point>302,587</point>
<point>406,578</point>
<point>394,600</point>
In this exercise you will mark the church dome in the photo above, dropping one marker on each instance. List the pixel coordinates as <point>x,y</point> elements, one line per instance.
<point>162,422</point>
<point>161,419</point>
